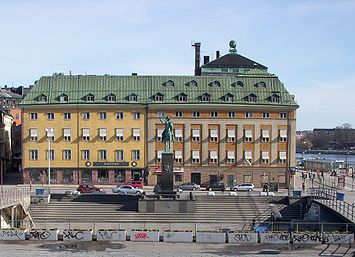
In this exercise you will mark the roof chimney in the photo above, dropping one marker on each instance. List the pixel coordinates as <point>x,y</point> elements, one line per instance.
<point>217,54</point>
<point>197,46</point>
<point>206,59</point>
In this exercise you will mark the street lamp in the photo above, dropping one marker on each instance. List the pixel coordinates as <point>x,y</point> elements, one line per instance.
<point>50,135</point>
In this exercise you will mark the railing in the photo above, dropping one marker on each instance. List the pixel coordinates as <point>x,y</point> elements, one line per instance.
<point>328,197</point>
<point>13,196</point>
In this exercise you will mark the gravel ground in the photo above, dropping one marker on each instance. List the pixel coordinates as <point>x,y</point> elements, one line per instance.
<point>132,249</point>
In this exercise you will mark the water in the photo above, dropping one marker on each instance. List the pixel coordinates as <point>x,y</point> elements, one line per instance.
<point>337,157</point>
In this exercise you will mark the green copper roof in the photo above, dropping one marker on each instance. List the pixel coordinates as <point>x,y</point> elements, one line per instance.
<point>76,88</point>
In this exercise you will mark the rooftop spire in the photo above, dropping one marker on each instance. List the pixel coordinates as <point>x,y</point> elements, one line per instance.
<point>232,45</point>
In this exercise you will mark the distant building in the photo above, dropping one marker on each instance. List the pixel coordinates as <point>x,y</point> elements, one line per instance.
<point>6,121</point>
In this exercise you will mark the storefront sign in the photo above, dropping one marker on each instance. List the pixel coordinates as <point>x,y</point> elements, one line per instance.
<point>176,170</point>
<point>110,164</point>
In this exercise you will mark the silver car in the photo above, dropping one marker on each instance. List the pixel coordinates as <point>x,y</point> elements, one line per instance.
<point>189,186</point>
<point>127,190</point>
<point>243,187</point>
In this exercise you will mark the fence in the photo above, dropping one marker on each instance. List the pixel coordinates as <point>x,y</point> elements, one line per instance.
<point>13,196</point>
<point>329,198</point>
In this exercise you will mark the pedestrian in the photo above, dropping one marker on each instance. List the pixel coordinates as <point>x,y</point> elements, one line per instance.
<point>303,186</point>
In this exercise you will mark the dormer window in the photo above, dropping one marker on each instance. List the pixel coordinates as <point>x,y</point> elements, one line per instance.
<point>238,84</point>
<point>275,98</point>
<point>261,84</point>
<point>251,98</point>
<point>229,98</point>
<point>205,97</point>
<point>63,98</point>
<point>182,98</point>
<point>111,98</point>
<point>42,98</point>
<point>132,98</point>
<point>192,83</point>
<point>89,98</point>
<point>169,83</point>
<point>215,83</point>
<point>159,97</point>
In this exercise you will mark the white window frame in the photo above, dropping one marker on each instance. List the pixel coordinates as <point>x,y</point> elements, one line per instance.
<point>119,134</point>
<point>160,114</point>
<point>249,115</point>
<point>178,135</point>
<point>66,154</point>
<point>213,156</point>
<point>135,155</point>
<point>265,135</point>
<point>196,114</point>
<point>265,157</point>
<point>283,135</point>
<point>282,157</point>
<point>214,114</point>
<point>85,154</point>
<point>136,115</point>
<point>119,115</point>
<point>33,155</point>
<point>102,155</point>
<point>196,136</point>
<point>248,135</point>
<point>85,115</point>
<point>231,114</point>
<point>230,135</point>
<point>283,115</point>
<point>178,114</point>
<point>248,156</point>
<point>103,134</point>
<point>102,115</point>
<point>266,115</point>
<point>50,134</point>
<point>66,134</point>
<point>195,156</point>
<point>86,134</point>
<point>136,134</point>
<point>119,155</point>
<point>67,116</point>
<point>230,156</point>
<point>33,116</point>
<point>51,154</point>
<point>159,156</point>
<point>178,156</point>
<point>213,135</point>
<point>50,115</point>
<point>33,134</point>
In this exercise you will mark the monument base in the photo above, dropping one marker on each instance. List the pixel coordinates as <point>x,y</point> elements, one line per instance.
<point>165,206</point>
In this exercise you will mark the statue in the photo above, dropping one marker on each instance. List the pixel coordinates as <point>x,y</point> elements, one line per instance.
<point>168,134</point>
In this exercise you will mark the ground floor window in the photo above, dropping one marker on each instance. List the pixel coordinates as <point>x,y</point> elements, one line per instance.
<point>178,177</point>
<point>67,176</point>
<point>86,176</point>
<point>196,178</point>
<point>246,179</point>
<point>53,176</point>
<point>35,176</point>
<point>137,175</point>
<point>102,176</point>
<point>120,176</point>
<point>230,180</point>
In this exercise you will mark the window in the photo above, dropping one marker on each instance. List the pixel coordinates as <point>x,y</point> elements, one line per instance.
<point>158,98</point>
<point>231,114</point>
<point>67,115</point>
<point>119,115</point>
<point>159,136</point>
<point>119,155</point>
<point>33,155</point>
<point>264,157</point>
<point>33,134</point>
<point>103,134</point>
<point>132,98</point>
<point>213,135</point>
<point>282,157</point>
<point>275,99</point>
<point>50,134</point>
<point>66,134</point>
<point>178,177</point>
<point>158,156</point>
<point>215,83</point>
<point>178,135</point>
<point>229,98</point>
<point>248,115</point>
<point>51,154</point>
<point>260,84</point>
<point>205,98</point>
<point>195,135</point>
<point>248,135</point>
<point>251,98</point>
<point>33,116</point>
<point>85,154</point>
<point>42,98</point>
<point>50,115</point>
<point>89,98</point>
<point>178,156</point>
<point>214,114</point>
<point>86,134</point>
<point>231,156</point>
<point>195,156</point>
<point>135,155</point>
<point>230,135</point>
<point>182,98</point>
<point>102,155</point>
<point>136,115</point>
<point>63,98</point>
<point>213,157</point>
<point>195,114</point>
<point>247,157</point>
<point>192,83</point>
<point>161,114</point>
<point>283,135</point>
<point>178,114</point>
<point>102,115</point>
<point>283,115</point>
<point>111,98</point>
<point>238,84</point>
<point>85,115</point>
<point>119,134</point>
<point>266,115</point>
<point>136,134</point>
<point>67,155</point>
<point>265,135</point>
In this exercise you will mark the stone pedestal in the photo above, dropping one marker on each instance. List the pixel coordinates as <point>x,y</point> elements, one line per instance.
<point>167,173</point>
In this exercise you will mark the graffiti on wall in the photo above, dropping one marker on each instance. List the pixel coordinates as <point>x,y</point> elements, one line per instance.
<point>307,238</point>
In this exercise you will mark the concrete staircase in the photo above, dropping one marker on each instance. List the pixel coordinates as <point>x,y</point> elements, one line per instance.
<point>116,208</point>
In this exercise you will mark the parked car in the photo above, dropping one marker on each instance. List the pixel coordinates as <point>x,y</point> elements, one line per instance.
<point>127,190</point>
<point>87,188</point>
<point>216,187</point>
<point>134,183</point>
<point>243,187</point>
<point>188,186</point>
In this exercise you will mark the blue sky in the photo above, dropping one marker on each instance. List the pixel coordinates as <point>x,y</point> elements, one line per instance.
<point>308,44</point>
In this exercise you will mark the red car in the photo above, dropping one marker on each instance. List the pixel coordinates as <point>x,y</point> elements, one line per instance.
<point>88,189</point>
<point>137,183</point>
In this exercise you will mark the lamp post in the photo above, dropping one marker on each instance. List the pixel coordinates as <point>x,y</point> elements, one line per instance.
<point>50,134</point>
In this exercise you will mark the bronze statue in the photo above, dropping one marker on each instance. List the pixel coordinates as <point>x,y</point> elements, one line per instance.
<point>168,134</point>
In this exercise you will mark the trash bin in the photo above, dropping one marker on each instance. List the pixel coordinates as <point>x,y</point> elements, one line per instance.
<point>297,192</point>
<point>39,191</point>
<point>340,196</point>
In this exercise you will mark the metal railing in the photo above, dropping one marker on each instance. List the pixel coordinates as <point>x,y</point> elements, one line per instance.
<point>329,198</point>
<point>13,196</point>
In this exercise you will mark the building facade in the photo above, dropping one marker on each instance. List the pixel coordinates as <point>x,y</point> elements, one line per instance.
<point>238,127</point>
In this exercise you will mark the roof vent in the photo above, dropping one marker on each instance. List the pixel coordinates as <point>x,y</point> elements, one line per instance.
<point>134,74</point>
